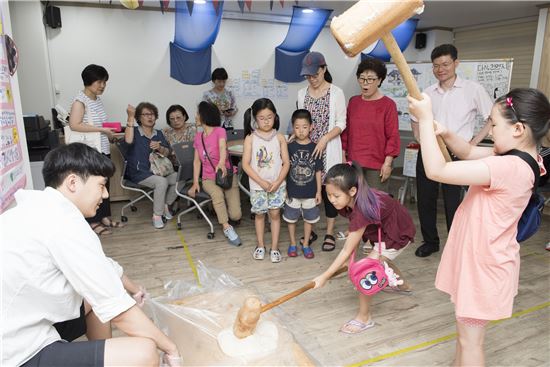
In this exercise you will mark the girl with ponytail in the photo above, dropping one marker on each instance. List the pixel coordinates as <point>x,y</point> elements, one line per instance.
<point>480,264</point>
<point>366,209</point>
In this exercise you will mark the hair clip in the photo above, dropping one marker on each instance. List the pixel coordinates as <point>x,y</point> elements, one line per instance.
<point>349,163</point>
<point>510,104</point>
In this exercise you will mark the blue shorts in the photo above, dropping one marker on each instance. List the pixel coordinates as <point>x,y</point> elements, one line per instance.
<point>294,208</point>
<point>263,201</point>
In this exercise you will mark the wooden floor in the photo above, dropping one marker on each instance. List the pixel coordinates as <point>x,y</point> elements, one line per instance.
<point>415,330</point>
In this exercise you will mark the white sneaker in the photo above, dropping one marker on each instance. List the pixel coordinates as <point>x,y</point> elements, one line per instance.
<point>167,214</point>
<point>259,253</point>
<point>275,256</point>
<point>158,223</point>
<point>232,236</point>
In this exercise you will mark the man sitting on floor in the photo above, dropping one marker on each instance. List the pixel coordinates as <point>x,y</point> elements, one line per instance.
<point>58,284</point>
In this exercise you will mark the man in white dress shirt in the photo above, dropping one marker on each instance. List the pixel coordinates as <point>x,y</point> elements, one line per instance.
<point>456,102</point>
<point>58,284</point>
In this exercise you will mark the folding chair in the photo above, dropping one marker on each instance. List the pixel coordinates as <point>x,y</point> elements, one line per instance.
<point>185,154</point>
<point>146,192</point>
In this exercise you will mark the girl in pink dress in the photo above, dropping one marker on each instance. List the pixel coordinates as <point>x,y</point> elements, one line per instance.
<point>479,267</point>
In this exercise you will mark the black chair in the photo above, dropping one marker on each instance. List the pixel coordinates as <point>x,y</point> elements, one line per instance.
<point>185,154</point>
<point>146,192</point>
<point>235,135</point>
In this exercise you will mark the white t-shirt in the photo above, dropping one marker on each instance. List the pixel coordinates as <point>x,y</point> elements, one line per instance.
<point>51,260</point>
<point>458,107</point>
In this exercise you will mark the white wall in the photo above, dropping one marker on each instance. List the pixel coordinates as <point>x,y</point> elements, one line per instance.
<point>34,71</point>
<point>134,47</point>
<point>7,29</point>
<point>434,38</point>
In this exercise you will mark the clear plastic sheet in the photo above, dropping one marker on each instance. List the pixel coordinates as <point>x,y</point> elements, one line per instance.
<point>193,316</point>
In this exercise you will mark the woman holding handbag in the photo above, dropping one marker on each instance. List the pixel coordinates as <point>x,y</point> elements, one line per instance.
<point>87,116</point>
<point>147,162</point>
<point>217,171</point>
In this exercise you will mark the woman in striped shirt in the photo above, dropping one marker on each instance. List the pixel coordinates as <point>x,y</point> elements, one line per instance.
<point>87,116</point>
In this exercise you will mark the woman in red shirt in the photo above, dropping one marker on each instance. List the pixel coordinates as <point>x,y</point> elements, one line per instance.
<point>371,137</point>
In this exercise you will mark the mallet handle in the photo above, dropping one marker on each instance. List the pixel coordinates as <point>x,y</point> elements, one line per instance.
<point>297,292</point>
<point>408,78</point>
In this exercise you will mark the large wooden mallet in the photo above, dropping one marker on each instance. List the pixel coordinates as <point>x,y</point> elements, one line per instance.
<point>249,314</point>
<point>369,20</point>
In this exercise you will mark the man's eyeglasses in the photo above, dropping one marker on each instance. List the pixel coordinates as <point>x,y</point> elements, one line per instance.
<point>362,80</point>
<point>445,65</point>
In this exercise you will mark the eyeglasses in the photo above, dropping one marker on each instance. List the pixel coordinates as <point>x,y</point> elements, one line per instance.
<point>177,118</point>
<point>362,80</point>
<point>148,114</point>
<point>265,118</point>
<point>445,65</point>
<point>314,76</point>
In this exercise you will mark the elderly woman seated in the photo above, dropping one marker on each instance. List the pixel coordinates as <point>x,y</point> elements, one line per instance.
<point>142,140</point>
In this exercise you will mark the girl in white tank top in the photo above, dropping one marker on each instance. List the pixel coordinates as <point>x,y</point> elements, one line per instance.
<point>265,161</point>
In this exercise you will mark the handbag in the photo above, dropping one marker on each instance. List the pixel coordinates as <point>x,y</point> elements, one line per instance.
<point>368,275</point>
<point>90,139</point>
<point>531,217</point>
<point>160,165</point>
<point>222,181</point>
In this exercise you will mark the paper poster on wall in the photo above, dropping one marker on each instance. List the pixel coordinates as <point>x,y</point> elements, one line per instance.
<point>493,75</point>
<point>11,157</point>
<point>253,85</point>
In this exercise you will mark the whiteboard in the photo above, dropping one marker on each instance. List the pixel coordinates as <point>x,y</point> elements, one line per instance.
<point>493,75</point>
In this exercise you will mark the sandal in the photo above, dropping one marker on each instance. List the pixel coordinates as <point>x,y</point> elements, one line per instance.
<point>99,229</point>
<point>354,326</point>
<point>308,252</point>
<point>329,246</point>
<point>106,222</point>
<point>312,238</point>
<point>292,251</point>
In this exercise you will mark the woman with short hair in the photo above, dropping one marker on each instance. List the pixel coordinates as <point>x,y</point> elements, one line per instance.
<point>142,140</point>
<point>221,97</point>
<point>87,116</point>
<point>371,137</point>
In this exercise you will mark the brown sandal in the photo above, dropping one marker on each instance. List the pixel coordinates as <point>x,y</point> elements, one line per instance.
<point>106,222</point>
<point>99,229</point>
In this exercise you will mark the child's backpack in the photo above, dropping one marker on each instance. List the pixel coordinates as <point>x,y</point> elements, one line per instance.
<point>531,217</point>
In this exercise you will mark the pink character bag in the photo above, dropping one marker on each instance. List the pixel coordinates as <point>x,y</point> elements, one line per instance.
<point>368,275</point>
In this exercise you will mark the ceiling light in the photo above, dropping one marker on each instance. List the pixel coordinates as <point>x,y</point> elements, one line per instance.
<point>307,10</point>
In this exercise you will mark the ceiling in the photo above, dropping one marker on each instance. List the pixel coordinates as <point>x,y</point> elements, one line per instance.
<point>437,13</point>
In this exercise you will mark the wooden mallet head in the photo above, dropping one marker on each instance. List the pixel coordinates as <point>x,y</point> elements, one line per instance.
<point>247,317</point>
<point>369,20</point>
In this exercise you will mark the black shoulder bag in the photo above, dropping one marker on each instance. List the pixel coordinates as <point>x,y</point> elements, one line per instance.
<point>222,181</point>
<point>531,217</point>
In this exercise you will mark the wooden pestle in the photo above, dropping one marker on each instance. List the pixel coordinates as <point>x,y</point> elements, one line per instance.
<point>369,20</point>
<point>249,314</point>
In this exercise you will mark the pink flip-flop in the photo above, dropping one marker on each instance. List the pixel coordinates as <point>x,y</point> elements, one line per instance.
<point>361,326</point>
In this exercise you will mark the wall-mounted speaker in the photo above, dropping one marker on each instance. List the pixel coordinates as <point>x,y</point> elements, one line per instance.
<point>53,16</point>
<point>420,41</point>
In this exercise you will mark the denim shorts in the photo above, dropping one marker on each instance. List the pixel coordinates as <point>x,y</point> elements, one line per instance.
<point>263,201</point>
<point>294,208</point>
